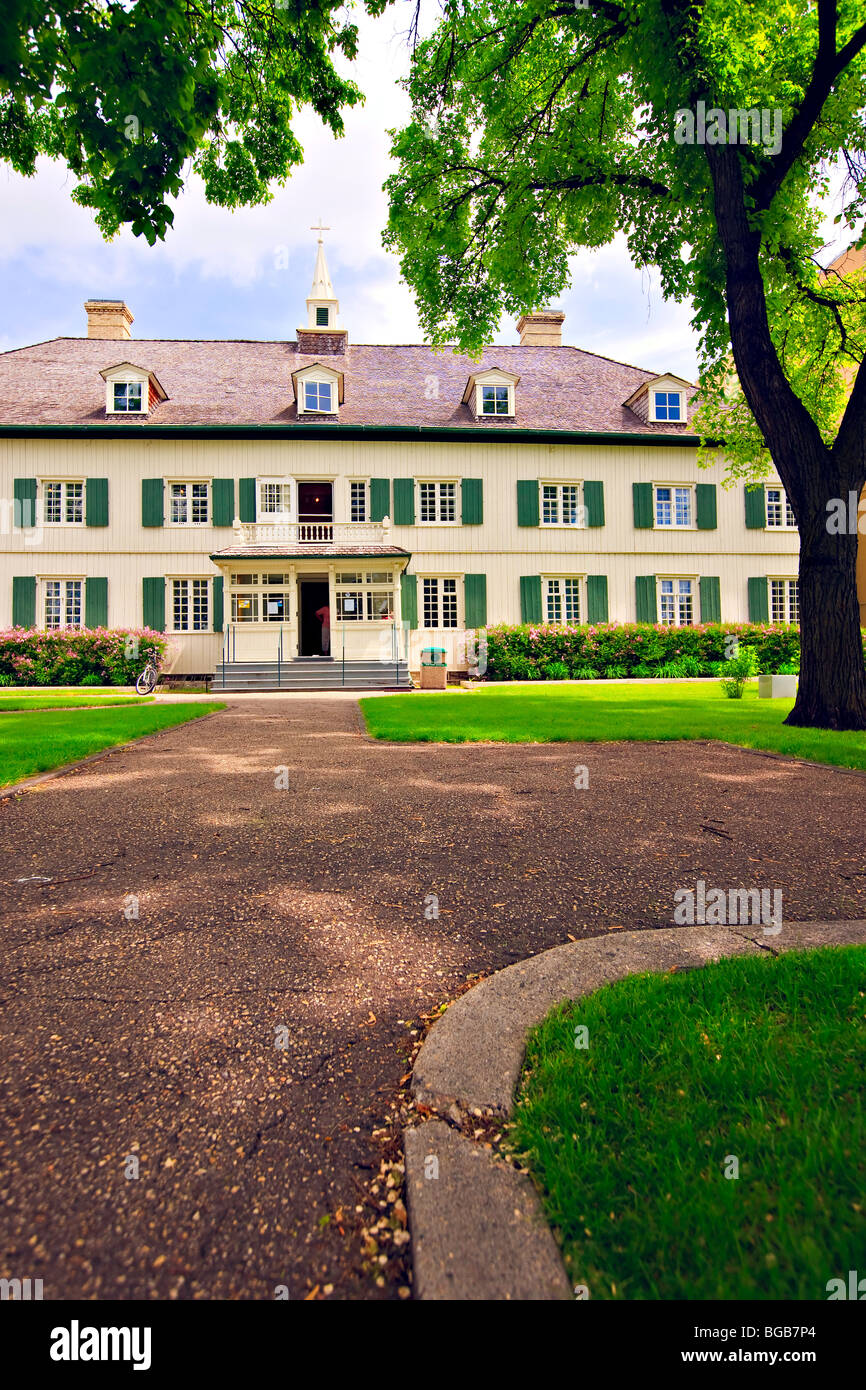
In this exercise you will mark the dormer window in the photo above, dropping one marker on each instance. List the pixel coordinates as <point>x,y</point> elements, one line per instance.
<point>490,394</point>
<point>318,389</point>
<point>127,396</point>
<point>318,396</point>
<point>495,400</point>
<point>130,390</point>
<point>667,405</point>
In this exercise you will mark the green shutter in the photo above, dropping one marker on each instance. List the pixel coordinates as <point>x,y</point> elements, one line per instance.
<point>759,600</point>
<point>24,502</point>
<point>96,502</point>
<point>593,501</point>
<point>222,501</point>
<point>642,504</point>
<point>756,508</point>
<point>151,502</point>
<point>711,599</point>
<point>705,506</point>
<point>153,603</point>
<point>527,502</point>
<point>475,599</point>
<point>404,502</point>
<point>645,598</point>
<point>380,498</point>
<point>247,499</point>
<point>472,504</point>
<point>95,602</point>
<point>409,599</point>
<point>596,598</point>
<point>218,604</point>
<point>530,597</point>
<point>24,600</point>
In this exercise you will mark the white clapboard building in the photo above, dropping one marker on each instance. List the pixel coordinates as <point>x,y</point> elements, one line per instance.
<point>283,509</point>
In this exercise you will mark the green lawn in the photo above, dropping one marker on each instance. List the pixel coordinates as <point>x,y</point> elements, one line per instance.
<point>73,700</point>
<point>33,741</point>
<point>556,713</point>
<point>628,1139</point>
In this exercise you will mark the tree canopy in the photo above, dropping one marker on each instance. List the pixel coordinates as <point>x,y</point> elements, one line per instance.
<point>133,95</point>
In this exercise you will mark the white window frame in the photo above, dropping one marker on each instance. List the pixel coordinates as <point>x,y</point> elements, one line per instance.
<point>62,579</point>
<point>318,382</point>
<point>440,579</point>
<point>189,579</point>
<point>673,524</point>
<point>559,523</point>
<point>787,580</point>
<point>655,418</point>
<point>63,484</point>
<point>676,580</point>
<point>367,592</point>
<point>494,386</point>
<point>788,521</point>
<point>286,515</point>
<point>351,484</point>
<point>438,483</point>
<point>189,483</point>
<point>127,378</point>
<point>560,581</point>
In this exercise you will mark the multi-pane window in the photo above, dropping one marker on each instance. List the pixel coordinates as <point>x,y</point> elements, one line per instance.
<point>189,504</point>
<point>784,601</point>
<point>668,405</point>
<point>562,600</point>
<point>259,597</point>
<point>63,603</point>
<point>673,506</point>
<point>676,602</point>
<point>318,396</point>
<point>439,602</point>
<point>127,396</point>
<point>63,504</point>
<point>779,510</point>
<point>357,501</point>
<point>275,499</point>
<point>494,400</point>
<point>364,595</point>
<point>438,501</point>
<point>560,504</point>
<point>189,605</point>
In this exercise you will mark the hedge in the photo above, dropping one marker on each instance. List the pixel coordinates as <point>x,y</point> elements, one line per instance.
<point>538,652</point>
<point>70,656</point>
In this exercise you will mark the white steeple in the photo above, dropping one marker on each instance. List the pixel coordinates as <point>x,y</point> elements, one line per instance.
<point>322,304</point>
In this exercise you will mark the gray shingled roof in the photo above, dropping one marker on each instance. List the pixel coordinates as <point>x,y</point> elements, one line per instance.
<point>249,383</point>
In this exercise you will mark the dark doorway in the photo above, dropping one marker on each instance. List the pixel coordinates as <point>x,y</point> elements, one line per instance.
<point>315,502</point>
<point>314,595</point>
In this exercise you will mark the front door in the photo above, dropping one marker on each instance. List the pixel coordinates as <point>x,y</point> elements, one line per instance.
<point>314,596</point>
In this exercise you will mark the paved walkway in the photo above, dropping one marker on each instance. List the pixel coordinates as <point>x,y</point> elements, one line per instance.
<point>305,908</point>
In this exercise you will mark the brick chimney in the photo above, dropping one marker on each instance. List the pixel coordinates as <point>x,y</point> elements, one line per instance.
<point>108,318</point>
<point>541,329</point>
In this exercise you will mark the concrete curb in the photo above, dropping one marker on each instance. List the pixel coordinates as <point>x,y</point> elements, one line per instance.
<point>478,1229</point>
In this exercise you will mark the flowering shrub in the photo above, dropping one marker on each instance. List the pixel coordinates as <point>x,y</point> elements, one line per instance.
<point>529,651</point>
<point>70,656</point>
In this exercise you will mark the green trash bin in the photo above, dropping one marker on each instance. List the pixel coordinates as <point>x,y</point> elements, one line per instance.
<point>434,670</point>
<point>433,656</point>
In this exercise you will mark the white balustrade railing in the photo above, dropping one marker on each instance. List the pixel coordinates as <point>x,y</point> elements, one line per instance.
<point>313,532</point>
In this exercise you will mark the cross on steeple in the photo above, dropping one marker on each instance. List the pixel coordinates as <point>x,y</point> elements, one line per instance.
<point>320,229</point>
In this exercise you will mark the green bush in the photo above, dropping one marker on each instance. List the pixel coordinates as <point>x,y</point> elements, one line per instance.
<point>585,673</point>
<point>671,671</point>
<point>739,670</point>
<point>522,652</point>
<point>555,671</point>
<point>69,655</point>
<point>614,672</point>
<point>91,678</point>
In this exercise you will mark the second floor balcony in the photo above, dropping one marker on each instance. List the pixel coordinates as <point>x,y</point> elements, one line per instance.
<point>318,530</point>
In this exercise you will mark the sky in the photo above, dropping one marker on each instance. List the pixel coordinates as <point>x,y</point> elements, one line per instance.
<point>246,274</point>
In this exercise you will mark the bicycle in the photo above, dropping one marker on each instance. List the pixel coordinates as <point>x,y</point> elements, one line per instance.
<point>147,679</point>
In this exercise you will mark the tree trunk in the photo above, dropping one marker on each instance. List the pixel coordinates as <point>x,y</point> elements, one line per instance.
<point>832,689</point>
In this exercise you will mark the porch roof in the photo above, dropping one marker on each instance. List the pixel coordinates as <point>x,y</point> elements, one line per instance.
<point>307,551</point>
